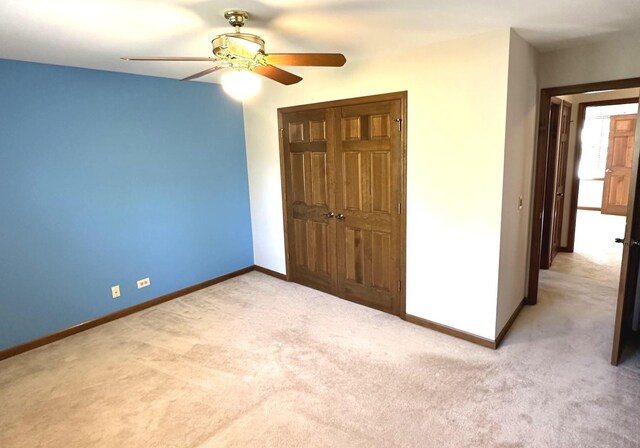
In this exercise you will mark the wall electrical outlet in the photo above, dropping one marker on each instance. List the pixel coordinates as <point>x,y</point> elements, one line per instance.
<point>144,283</point>
<point>115,291</point>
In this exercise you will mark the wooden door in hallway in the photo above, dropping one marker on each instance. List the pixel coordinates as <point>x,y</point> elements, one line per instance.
<point>622,131</point>
<point>557,142</point>
<point>628,297</point>
<point>343,166</point>
<point>561,178</point>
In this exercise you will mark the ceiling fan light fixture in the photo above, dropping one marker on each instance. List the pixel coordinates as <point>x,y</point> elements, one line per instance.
<point>244,53</point>
<point>241,84</point>
<point>237,46</point>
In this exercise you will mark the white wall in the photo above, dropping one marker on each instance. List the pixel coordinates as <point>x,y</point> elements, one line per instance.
<point>457,101</point>
<point>615,58</point>
<point>575,101</point>
<point>518,170</point>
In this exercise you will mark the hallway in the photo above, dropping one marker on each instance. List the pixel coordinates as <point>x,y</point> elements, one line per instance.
<point>578,294</point>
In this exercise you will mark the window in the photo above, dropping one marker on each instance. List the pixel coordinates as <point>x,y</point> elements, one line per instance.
<point>595,138</point>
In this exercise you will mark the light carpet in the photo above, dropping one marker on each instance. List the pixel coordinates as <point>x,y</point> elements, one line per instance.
<point>256,361</point>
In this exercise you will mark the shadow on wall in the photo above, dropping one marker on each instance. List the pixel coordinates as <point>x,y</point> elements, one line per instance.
<point>107,179</point>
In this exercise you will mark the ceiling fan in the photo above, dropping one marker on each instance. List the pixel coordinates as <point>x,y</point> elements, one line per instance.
<point>245,53</point>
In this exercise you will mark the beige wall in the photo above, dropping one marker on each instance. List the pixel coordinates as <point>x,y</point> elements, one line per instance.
<point>470,156</point>
<point>615,58</point>
<point>517,180</point>
<point>575,101</point>
<point>457,101</point>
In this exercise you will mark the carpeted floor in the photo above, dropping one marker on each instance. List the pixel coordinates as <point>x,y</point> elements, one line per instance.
<point>255,361</point>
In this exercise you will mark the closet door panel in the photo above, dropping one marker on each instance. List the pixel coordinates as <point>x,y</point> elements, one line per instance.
<point>310,196</point>
<point>368,185</point>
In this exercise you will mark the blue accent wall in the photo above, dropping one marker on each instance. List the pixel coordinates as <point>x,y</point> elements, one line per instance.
<point>107,178</point>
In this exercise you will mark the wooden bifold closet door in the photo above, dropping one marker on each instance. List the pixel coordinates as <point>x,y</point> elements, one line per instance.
<point>343,166</point>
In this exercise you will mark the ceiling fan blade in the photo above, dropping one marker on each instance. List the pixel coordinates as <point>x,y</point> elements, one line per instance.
<point>203,72</point>
<point>277,74</point>
<point>307,59</point>
<point>166,58</point>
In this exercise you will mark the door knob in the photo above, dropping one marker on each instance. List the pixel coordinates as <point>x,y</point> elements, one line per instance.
<point>560,195</point>
<point>340,216</point>
<point>633,242</point>
<point>328,215</point>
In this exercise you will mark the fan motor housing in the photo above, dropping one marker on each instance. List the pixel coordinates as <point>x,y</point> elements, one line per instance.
<point>236,18</point>
<point>237,46</point>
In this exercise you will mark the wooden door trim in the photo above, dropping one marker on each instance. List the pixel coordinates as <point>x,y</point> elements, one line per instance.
<point>283,189</point>
<point>402,96</point>
<point>403,198</point>
<point>540,168</point>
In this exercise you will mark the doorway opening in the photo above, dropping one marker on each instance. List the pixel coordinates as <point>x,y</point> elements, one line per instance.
<point>584,197</point>
<point>603,138</point>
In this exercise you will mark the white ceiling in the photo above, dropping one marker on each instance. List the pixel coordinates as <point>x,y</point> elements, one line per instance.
<point>95,33</point>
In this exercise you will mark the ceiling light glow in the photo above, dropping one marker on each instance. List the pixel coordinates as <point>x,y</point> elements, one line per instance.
<point>241,84</point>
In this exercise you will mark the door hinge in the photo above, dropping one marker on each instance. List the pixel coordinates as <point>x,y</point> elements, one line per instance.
<point>399,121</point>
<point>399,208</point>
<point>281,133</point>
<point>399,285</point>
